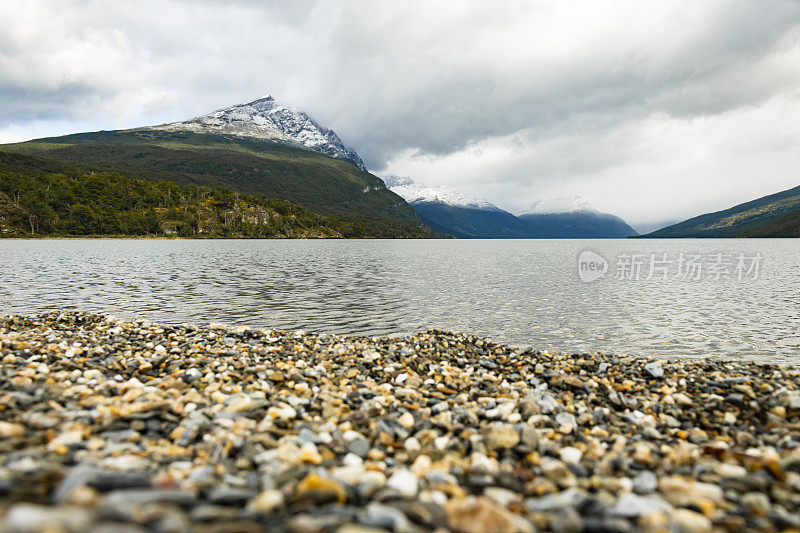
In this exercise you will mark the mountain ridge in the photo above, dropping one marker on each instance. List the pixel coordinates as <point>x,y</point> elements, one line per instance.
<point>741,220</point>
<point>266,119</point>
<point>579,225</point>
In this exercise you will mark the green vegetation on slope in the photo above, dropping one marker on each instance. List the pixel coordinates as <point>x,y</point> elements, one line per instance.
<point>466,223</point>
<point>39,197</point>
<point>785,226</point>
<point>252,166</point>
<point>739,221</point>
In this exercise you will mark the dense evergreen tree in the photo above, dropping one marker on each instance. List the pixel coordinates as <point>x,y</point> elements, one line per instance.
<point>45,198</point>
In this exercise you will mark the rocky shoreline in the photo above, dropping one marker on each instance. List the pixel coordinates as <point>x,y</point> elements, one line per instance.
<point>112,425</point>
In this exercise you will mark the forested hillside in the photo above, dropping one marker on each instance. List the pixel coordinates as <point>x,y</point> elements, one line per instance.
<point>40,197</point>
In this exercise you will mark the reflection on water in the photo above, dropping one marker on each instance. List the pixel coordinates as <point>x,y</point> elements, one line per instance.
<point>519,291</point>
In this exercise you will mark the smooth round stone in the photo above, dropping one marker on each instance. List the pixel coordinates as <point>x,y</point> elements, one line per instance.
<point>690,521</point>
<point>654,369</point>
<point>370,481</point>
<point>756,503</point>
<point>412,444</point>
<point>351,459</point>
<point>645,482</point>
<point>32,518</point>
<point>359,447</point>
<point>406,420</point>
<point>381,516</point>
<point>501,436</point>
<point>570,455</point>
<point>404,482</point>
<point>307,435</point>
<point>349,474</point>
<point>478,515</point>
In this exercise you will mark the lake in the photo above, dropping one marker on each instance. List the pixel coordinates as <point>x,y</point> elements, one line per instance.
<point>663,298</point>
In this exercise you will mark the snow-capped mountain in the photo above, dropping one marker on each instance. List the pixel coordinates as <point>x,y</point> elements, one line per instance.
<point>564,204</point>
<point>416,193</point>
<point>573,217</point>
<point>450,211</point>
<point>267,119</point>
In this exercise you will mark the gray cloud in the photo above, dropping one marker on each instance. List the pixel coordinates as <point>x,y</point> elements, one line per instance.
<point>564,96</point>
<point>25,104</point>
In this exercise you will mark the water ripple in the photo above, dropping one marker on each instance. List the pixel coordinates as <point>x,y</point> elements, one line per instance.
<point>523,292</point>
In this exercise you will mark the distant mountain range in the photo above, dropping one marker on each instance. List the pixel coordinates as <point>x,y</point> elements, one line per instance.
<point>271,151</point>
<point>450,211</point>
<point>775,215</point>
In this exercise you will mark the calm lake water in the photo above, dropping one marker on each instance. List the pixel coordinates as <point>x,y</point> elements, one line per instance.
<point>746,303</point>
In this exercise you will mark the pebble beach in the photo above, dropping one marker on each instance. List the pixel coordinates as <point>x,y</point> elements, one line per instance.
<point>110,425</point>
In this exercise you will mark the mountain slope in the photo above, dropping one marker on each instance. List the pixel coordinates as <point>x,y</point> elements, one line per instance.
<point>260,148</point>
<point>39,197</point>
<point>743,220</point>
<point>470,223</point>
<point>573,217</point>
<point>273,169</point>
<point>266,119</point>
<point>782,227</point>
<point>577,225</point>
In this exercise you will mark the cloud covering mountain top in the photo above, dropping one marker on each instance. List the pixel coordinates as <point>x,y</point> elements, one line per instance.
<point>415,193</point>
<point>564,204</point>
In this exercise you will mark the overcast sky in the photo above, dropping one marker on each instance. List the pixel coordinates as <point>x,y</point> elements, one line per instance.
<point>654,111</point>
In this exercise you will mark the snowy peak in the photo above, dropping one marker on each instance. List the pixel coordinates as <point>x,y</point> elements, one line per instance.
<point>564,204</point>
<point>266,119</point>
<point>397,181</point>
<point>416,193</point>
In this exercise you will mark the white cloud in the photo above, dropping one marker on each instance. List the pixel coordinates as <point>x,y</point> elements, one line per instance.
<point>646,170</point>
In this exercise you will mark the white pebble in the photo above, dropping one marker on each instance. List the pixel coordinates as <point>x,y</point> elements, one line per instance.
<point>412,445</point>
<point>406,420</point>
<point>571,455</point>
<point>352,459</point>
<point>404,482</point>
